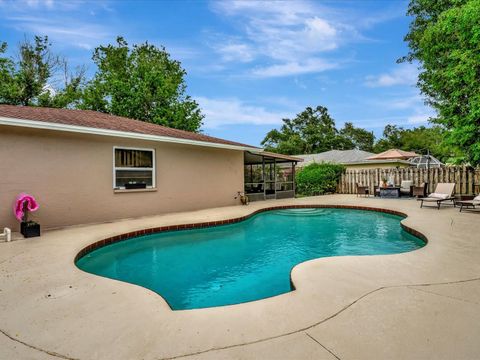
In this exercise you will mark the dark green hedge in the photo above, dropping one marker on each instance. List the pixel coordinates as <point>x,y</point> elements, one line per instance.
<point>318,179</point>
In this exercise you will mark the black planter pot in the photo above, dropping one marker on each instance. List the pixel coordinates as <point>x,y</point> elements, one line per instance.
<point>135,186</point>
<point>29,229</point>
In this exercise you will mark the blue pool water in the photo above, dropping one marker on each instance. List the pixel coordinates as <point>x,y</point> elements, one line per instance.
<point>245,261</point>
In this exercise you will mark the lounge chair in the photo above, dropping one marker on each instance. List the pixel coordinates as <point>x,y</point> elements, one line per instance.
<point>468,203</point>
<point>362,190</point>
<point>443,192</point>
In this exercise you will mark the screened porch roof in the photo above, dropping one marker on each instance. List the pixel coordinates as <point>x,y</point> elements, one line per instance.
<point>252,158</point>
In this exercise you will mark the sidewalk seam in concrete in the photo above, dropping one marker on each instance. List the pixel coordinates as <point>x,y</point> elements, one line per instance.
<point>319,322</point>
<point>442,295</point>
<point>51,353</point>
<point>323,346</point>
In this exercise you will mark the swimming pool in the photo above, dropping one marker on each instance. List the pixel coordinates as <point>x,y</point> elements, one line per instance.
<point>248,260</point>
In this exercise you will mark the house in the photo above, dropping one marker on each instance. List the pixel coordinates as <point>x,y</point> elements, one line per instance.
<point>393,154</point>
<point>89,167</point>
<point>353,159</point>
<point>414,159</point>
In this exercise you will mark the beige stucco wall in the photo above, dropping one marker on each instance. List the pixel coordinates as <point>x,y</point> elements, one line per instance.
<point>71,177</point>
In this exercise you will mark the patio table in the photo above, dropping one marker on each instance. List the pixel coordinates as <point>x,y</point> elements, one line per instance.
<point>390,192</point>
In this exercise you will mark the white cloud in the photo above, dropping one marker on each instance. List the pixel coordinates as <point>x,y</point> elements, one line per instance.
<point>286,12</point>
<point>62,29</point>
<point>418,119</point>
<point>299,83</point>
<point>404,109</point>
<point>405,74</point>
<point>71,23</point>
<point>232,51</point>
<point>403,102</point>
<point>293,68</point>
<point>232,111</point>
<point>421,115</point>
<point>39,3</point>
<point>49,5</point>
<point>294,36</point>
<point>181,53</point>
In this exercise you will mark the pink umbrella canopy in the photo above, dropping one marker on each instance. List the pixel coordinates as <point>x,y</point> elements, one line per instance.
<point>24,202</point>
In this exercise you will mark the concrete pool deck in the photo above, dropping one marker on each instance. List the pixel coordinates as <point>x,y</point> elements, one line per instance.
<point>422,304</point>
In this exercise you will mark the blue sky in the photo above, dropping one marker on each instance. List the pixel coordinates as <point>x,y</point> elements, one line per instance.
<point>251,63</point>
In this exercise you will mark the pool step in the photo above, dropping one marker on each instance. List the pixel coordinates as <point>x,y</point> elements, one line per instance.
<point>303,212</point>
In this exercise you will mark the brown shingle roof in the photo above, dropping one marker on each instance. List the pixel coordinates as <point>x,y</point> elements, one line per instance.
<point>98,120</point>
<point>393,154</point>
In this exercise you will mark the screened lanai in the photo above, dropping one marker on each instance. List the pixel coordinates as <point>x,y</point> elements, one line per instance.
<point>269,175</point>
<point>425,162</point>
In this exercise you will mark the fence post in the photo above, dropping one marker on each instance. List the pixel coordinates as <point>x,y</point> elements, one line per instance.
<point>464,179</point>
<point>349,179</point>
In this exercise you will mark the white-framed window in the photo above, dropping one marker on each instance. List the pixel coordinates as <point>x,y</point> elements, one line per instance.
<point>133,168</point>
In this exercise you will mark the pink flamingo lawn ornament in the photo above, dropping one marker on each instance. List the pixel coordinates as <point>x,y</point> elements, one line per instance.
<point>23,204</point>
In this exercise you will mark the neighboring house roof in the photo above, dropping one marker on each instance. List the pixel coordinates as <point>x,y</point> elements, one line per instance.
<point>93,122</point>
<point>336,156</point>
<point>393,154</point>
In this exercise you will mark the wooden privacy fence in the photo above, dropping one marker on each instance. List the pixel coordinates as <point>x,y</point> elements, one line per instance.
<point>467,179</point>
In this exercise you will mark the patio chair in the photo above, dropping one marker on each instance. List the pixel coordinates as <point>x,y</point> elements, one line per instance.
<point>443,192</point>
<point>420,191</point>
<point>362,190</point>
<point>376,190</point>
<point>468,203</point>
<point>406,188</point>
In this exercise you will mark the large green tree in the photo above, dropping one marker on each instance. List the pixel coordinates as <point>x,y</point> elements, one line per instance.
<point>141,82</point>
<point>420,139</point>
<point>444,37</point>
<point>37,76</point>
<point>358,137</point>
<point>313,131</point>
<point>391,139</point>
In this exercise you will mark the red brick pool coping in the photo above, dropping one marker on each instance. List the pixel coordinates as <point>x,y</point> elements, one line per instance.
<point>125,236</point>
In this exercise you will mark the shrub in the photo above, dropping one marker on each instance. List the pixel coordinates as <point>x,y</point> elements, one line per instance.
<point>318,179</point>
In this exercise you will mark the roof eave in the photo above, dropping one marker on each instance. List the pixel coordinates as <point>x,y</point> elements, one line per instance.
<point>287,158</point>
<point>378,161</point>
<point>33,124</point>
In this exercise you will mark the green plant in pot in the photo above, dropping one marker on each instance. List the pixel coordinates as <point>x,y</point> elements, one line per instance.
<point>384,182</point>
<point>25,203</point>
